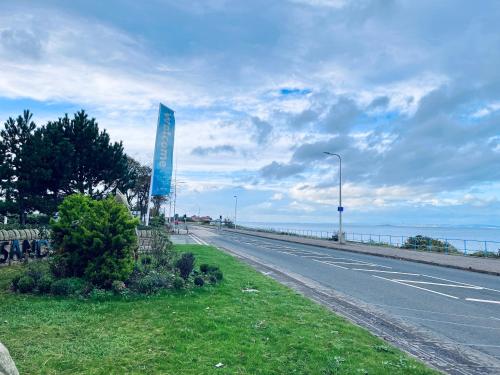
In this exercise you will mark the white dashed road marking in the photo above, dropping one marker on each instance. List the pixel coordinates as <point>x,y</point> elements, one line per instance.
<point>382,271</point>
<point>440,284</point>
<point>482,300</point>
<point>330,264</point>
<point>417,287</point>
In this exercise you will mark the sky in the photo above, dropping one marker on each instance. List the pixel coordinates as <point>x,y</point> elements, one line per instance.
<point>407,92</point>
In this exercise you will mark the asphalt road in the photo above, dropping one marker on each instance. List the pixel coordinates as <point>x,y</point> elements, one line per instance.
<point>460,306</point>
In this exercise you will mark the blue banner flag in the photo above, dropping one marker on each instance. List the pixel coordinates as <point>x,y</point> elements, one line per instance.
<point>164,152</point>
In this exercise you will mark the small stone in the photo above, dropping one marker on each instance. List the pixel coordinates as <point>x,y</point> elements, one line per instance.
<point>250,290</point>
<point>219,365</point>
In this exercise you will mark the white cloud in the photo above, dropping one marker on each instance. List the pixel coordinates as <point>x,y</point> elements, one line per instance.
<point>487,110</point>
<point>323,3</point>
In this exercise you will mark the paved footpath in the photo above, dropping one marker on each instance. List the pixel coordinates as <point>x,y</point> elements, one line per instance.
<point>477,264</point>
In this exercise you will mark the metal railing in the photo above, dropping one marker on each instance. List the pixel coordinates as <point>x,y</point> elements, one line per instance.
<point>417,242</point>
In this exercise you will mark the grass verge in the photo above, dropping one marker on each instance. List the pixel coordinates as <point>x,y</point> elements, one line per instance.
<point>272,331</point>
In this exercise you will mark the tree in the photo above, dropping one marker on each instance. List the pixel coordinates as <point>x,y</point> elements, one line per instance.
<point>128,183</point>
<point>97,163</point>
<point>15,136</point>
<point>158,200</point>
<point>47,160</point>
<point>141,189</point>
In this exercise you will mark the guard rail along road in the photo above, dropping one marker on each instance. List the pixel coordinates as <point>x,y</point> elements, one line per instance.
<point>423,254</point>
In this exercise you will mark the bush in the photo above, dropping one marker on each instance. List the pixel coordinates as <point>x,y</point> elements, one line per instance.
<point>37,270</point>
<point>185,265</point>
<point>178,283</point>
<point>67,287</point>
<point>161,248</point>
<point>198,281</point>
<point>204,268</point>
<point>26,284</point>
<point>218,275</point>
<point>99,294</point>
<point>146,259</point>
<point>45,284</point>
<point>118,287</point>
<point>15,282</point>
<point>59,266</point>
<point>151,282</point>
<point>94,239</point>
<point>428,244</point>
<point>145,285</point>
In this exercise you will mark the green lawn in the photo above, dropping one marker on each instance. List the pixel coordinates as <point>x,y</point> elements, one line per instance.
<point>273,331</point>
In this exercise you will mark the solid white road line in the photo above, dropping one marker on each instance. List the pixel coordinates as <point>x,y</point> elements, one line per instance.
<point>450,281</point>
<point>482,300</point>
<point>335,265</point>
<point>416,287</point>
<point>447,322</point>
<point>199,240</point>
<point>372,265</point>
<point>355,263</point>
<point>431,312</point>
<point>195,239</point>
<point>382,271</point>
<point>440,284</point>
<point>458,282</point>
<point>287,252</point>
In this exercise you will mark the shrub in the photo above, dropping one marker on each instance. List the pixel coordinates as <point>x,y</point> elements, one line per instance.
<point>99,294</point>
<point>118,287</point>
<point>95,239</point>
<point>151,282</point>
<point>146,259</point>
<point>15,282</point>
<point>428,244</point>
<point>26,284</point>
<point>37,270</point>
<point>212,269</point>
<point>145,285</point>
<point>212,279</point>
<point>185,265</point>
<point>178,283</point>
<point>198,281</point>
<point>161,248</point>
<point>204,268</point>
<point>67,287</point>
<point>59,266</point>
<point>45,284</point>
<point>218,275</point>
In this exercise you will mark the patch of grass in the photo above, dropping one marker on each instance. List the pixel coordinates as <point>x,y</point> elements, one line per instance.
<point>269,331</point>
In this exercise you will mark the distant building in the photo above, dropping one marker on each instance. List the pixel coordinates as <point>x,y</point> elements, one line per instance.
<point>201,219</point>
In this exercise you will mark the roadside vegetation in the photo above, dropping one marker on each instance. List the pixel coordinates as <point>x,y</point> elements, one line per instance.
<point>247,323</point>
<point>96,253</point>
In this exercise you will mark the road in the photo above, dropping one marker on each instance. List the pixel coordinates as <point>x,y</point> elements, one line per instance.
<point>460,307</point>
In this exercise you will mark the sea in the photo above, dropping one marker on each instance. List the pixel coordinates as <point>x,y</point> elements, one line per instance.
<point>476,237</point>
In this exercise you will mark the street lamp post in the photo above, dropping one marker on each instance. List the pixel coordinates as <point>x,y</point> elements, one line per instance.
<point>340,208</point>
<point>235,209</point>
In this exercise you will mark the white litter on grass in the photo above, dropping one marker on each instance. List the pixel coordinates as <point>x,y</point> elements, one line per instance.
<point>249,290</point>
<point>219,365</point>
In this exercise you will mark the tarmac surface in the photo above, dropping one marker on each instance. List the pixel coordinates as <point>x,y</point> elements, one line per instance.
<point>443,313</point>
